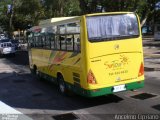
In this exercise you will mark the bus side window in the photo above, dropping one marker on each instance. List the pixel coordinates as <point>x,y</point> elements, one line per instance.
<point>39,42</point>
<point>69,42</point>
<point>48,42</point>
<point>77,44</point>
<point>57,42</point>
<point>32,42</point>
<point>73,29</point>
<point>62,39</point>
<point>52,42</point>
<point>43,41</point>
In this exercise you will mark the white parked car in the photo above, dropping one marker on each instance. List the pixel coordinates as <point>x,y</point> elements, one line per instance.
<point>7,48</point>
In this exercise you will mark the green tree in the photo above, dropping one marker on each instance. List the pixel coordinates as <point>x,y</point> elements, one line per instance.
<point>4,15</point>
<point>72,8</point>
<point>61,8</point>
<point>27,12</point>
<point>144,8</point>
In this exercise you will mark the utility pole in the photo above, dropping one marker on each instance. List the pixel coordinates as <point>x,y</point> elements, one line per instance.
<point>154,16</point>
<point>11,19</point>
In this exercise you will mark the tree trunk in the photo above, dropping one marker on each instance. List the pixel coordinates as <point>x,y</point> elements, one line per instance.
<point>144,20</point>
<point>10,20</point>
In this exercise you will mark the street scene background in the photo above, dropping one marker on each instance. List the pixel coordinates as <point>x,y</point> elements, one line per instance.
<point>41,99</point>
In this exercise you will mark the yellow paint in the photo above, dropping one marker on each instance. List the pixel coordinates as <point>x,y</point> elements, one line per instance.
<point>112,63</point>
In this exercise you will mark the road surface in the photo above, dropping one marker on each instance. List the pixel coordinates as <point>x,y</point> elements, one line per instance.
<point>42,101</point>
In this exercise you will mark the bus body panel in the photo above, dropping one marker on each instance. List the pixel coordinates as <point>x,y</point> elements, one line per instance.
<point>51,62</point>
<point>116,61</point>
<point>120,66</point>
<point>113,63</point>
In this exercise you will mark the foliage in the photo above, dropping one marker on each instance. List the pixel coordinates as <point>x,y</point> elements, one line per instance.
<point>144,8</point>
<point>57,8</point>
<point>28,12</point>
<point>4,17</point>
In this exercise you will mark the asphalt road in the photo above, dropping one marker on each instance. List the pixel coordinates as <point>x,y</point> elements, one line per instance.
<point>42,101</point>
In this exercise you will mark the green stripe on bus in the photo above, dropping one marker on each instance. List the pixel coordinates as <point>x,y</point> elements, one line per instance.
<point>103,91</point>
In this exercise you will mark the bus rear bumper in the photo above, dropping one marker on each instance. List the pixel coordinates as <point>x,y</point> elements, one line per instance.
<point>106,90</point>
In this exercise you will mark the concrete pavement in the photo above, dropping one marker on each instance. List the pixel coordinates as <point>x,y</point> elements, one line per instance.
<point>59,104</point>
<point>9,113</point>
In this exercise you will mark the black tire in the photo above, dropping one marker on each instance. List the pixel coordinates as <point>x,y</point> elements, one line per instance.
<point>62,86</point>
<point>34,71</point>
<point>40,76</point>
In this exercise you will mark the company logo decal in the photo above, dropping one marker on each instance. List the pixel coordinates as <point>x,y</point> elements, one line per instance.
<point>116,47</point>
<point>117,63</point>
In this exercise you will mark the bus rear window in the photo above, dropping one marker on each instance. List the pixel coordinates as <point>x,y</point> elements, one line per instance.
<point>112,27</point>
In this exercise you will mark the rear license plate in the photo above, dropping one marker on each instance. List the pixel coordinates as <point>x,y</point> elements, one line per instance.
<point>119,88</point>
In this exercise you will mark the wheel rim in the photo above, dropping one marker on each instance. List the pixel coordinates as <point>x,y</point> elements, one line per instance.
<point>61,85</point>
<point>62,88</point>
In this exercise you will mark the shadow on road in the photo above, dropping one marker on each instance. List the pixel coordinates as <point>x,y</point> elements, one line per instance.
<point>20,58</point>
<point>25,91</point>
<point>20,89</point>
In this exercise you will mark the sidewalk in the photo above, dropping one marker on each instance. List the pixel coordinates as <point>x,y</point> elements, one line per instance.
<point>8,113</point>
<point>151,66</point>
<point>151,55</point>
<point>151,52</point>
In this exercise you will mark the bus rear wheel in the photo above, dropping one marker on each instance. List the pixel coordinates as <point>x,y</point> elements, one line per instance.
<point>62,85</point>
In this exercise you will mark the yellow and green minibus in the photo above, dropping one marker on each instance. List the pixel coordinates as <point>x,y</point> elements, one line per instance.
<point>91,55</point>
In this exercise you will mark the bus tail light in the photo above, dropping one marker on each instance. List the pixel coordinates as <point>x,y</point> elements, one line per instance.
<point>141,70</point>
<point>91,78</point>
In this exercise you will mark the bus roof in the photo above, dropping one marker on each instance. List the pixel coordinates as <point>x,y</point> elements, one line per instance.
<point>62,20</point>
<point>55,20</point>
<point>108,13</point>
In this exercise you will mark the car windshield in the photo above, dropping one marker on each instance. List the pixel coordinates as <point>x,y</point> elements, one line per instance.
<point>111,27</point>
